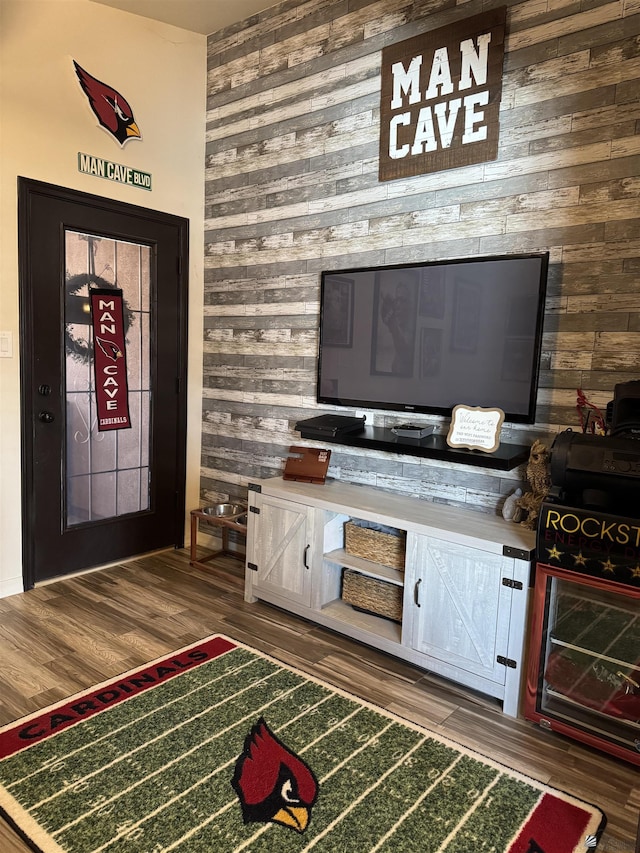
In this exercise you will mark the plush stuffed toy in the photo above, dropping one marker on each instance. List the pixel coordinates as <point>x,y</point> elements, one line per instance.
<point>510,509</point>
<point>539,481</point>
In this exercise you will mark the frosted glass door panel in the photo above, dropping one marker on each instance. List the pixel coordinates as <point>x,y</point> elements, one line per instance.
<point>106,473</point>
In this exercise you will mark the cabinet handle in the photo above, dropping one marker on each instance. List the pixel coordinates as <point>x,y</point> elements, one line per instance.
<point>304,558</point>
<point>415,593</point>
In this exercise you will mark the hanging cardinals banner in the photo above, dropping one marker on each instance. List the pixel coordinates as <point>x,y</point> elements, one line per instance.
<point>109,359</point>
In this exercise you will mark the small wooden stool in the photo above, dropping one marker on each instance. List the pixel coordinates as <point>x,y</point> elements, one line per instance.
<point>227,523</point>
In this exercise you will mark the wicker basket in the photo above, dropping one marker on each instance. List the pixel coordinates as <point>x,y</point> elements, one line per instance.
<point>372,595</point>
<point>384,548</point>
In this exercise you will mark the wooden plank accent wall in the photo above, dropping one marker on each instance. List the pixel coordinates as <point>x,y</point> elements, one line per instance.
<point>292,189</point>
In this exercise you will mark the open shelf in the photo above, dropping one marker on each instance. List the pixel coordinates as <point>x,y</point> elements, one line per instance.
<point>596,655</point>
<point>596,723</point>
<point>366,567</point>
<point>377,625</point>
<point>506,457</point>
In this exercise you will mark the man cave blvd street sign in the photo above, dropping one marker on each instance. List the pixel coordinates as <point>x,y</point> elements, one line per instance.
<point>440,97</point>
<point>89,165</point>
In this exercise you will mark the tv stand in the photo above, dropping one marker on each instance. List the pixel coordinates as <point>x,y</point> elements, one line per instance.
<point>464,587</point>
<point>506,457</point>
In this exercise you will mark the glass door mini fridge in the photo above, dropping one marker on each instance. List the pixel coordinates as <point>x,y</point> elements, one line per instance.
<point>584,659</point>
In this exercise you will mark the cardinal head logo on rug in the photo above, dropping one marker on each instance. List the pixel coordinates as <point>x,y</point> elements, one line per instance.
<point>272,783</point>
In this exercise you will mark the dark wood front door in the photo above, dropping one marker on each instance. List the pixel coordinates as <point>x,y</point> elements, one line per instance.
<point>92,497</point>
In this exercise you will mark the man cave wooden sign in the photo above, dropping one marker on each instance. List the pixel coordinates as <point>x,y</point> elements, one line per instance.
<point>440,97</point>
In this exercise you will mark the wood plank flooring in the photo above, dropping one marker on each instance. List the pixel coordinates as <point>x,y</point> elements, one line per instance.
<point>67,635</point>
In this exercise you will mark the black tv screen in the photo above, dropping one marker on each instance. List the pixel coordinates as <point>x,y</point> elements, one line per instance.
<point>426,337</point>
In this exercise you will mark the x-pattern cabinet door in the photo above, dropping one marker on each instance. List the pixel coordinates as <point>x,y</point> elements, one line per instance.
<point>461,608</point>
<point>279,551</point>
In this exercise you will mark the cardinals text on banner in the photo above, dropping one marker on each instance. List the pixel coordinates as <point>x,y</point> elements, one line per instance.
<point>440,97</point>
<point>109,359</point>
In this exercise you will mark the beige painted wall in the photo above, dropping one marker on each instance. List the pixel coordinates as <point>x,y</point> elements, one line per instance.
<point>44,122</point>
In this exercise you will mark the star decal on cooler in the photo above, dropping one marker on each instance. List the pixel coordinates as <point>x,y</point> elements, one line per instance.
<point>554,554</point>
<point>579,559</point>
<point>635,573</point>
<point>608,566</point>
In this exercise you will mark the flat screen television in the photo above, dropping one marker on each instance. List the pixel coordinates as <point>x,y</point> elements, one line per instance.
<point>425,337</point>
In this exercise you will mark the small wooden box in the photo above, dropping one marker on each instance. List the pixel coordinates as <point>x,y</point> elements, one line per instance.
<point>372,595</point>
<point>307,464</point>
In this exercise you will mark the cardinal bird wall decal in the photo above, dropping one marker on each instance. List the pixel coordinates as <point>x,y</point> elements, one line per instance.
<point>110,108</point>
<point>273,784</point>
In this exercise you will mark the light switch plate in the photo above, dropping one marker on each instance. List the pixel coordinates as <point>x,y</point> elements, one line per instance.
<point>6,344</point>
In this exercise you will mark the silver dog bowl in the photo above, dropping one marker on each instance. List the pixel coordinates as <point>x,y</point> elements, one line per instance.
<point>224,510</point>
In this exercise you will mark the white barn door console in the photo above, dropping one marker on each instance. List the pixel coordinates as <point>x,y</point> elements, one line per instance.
<point>459,607</point>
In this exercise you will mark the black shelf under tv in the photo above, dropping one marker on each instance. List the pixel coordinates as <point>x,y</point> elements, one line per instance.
<point>506,457</point>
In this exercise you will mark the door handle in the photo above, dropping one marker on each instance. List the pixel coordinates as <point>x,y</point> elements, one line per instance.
<point>416,599</point>
<point>304,558</point>
<point>46,417</point>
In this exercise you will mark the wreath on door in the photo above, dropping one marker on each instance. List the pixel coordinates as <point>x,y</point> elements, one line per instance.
<point>79,348</point>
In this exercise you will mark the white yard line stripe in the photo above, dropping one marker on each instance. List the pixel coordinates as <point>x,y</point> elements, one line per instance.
<point>467,815</point>
<point>131,827</point>
<point>218,769</point>
<point>143,746</point>
<point>411,810</point>
<point>362,796</point>
<point>50,765</point>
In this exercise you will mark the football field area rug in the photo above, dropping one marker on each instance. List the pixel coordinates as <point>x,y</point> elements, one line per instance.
<point>219,748</point>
